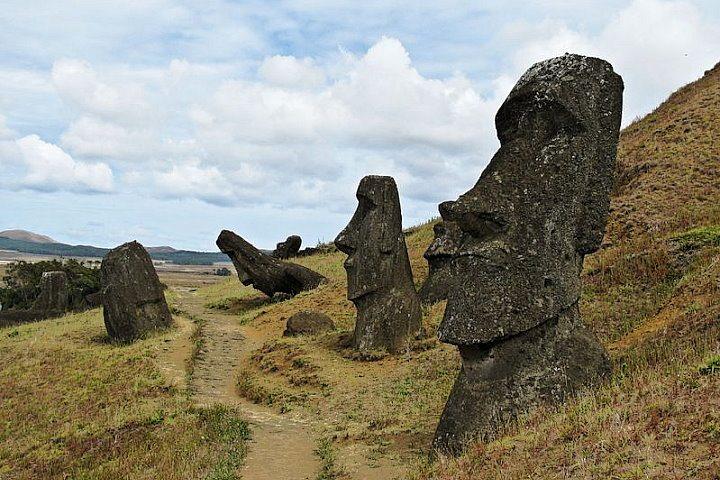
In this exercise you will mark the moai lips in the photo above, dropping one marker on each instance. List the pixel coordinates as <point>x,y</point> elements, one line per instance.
<point>379,277</point>
<point>538,208</point>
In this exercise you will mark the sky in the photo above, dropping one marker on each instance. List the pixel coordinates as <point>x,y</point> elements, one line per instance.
<point>166,121</point>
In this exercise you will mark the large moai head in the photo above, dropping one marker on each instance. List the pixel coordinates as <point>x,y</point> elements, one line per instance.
<point>538,208</point>
<point>540,205</point>
<point>378,269</point>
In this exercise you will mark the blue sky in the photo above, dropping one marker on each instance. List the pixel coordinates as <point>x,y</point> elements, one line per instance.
<point>165,121</point>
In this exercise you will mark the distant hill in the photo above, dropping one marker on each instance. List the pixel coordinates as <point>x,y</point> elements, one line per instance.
<point>26,236</point>
<point>168,254</point>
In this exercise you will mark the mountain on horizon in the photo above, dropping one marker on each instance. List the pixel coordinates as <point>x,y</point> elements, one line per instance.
<point>26,236</point>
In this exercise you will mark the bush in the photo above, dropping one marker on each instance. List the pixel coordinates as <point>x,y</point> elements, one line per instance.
<point>22,282</point>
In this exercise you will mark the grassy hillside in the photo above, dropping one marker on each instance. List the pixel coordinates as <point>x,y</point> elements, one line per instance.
<point>76,406</point>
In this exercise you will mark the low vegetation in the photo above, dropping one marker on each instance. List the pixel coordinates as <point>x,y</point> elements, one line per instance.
<point>78,406</point>
<point>21,282</point>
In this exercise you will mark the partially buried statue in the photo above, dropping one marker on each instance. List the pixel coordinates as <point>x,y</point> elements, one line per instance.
<point>380,282</point>
<point>263,272</point>
<point>439,256</point>
<point>132,295</point>
<point>538,208</point>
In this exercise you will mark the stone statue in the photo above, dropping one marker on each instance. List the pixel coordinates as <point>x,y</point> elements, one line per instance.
<point>380,282</point>
<point>54,298</point>
<point>263,272</point>
<point>132,295</point>
<point>538,208</point>
<point>289,248</point>
<point>439,256</point>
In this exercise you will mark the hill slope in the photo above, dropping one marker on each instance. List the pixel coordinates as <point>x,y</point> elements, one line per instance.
<point>26,236</point>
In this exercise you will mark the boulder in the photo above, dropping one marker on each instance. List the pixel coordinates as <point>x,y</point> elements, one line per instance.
<point>538,208</point>
<point>132,296</point>
<point>263,272</point>
<point>380,282</point>
<point>308,323</point>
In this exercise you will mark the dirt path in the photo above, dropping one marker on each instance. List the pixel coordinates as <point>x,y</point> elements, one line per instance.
<point>282,446</point>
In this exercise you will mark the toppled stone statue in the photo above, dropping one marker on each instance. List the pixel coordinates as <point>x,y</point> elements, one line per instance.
<point>54,298</point>
<point>263,272</point>
<point>380,282</point>
<point>289,248</point>
<point>308,322</point>
<point>439,257</point>
<point>538,208</point>
<point>132,296</point>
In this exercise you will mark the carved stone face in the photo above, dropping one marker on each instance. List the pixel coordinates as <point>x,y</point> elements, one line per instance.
<point>538,207</point>
<point>373,237</point>
<point>445,241</point>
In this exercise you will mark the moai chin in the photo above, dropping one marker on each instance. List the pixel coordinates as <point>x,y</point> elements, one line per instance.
<point>538,208</point>
<point>379,277</point>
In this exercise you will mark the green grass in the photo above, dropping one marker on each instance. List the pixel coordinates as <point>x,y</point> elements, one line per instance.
<point>75,405</point>
<point>699,237</point>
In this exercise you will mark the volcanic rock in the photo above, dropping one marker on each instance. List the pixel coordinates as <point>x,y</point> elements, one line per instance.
<point>132,296</point>
<point>538,208</point>
<point>380,282</point>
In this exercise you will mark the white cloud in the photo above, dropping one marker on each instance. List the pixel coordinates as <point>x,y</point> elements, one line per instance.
<point>290,72</point>
<point>194,180</point>
<point>78,84</point>
<point>5,132</point>
<point>657,46</point>
<point>49,168</point>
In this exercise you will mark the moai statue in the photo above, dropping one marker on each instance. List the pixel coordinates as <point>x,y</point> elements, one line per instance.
<point>289,248</point>
<point>263,272</point>
<point>132,295</point>
<point>439,256</point>
<point>538,208</point>
<point>380,282</point>
<point>54,298</point>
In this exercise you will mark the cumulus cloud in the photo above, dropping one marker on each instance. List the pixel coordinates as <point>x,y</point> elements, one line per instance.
<point>652,64</point>
<point>49,168</point>
<point>5,131</point>
<point>288,71</point>
<point>77,83</point>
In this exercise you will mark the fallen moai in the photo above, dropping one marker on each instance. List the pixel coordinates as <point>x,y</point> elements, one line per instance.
<point>132,295</point>
<point>380,282</point>
<point>538,208</point>
<point>289,248</point>
<point>439,257</point>
<point>263,272</point>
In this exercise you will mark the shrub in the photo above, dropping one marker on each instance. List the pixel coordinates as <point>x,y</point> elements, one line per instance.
<point>22,282</point>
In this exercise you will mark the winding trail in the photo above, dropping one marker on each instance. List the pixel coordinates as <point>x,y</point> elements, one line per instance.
<point>282,446</point>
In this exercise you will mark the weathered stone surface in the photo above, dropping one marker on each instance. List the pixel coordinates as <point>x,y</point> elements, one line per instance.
<point>288,248</point>
<point>54,293</point>
<point>538,208</point>
<point>439,256</point>
<point>379,278</point>
<point>93,300</point>
<point>265,273</point>
<point>308,323</point>
<point>132,296</point>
